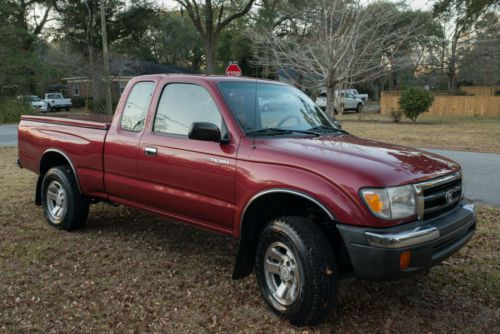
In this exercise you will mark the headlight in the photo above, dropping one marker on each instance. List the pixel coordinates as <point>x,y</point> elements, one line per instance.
<point>390,203</point>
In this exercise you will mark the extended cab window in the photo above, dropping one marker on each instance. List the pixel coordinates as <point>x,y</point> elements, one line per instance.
<point>183,104</point>
<point>137,106</point>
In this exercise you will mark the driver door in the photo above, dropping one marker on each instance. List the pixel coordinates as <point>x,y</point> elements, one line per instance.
<point>189,179</point>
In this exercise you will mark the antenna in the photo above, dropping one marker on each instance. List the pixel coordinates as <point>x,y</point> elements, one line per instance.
<point>254,116</point>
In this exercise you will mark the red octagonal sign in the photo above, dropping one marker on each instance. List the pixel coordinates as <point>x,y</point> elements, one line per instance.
<point>233,70</point>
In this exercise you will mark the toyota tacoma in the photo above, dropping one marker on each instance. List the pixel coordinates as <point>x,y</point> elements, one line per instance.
<point>309,202</point>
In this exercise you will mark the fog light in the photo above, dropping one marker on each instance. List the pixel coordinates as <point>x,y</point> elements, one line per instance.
<point>404,259</point>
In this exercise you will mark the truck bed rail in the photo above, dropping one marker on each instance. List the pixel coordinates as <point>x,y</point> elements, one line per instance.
<point>101,122</point>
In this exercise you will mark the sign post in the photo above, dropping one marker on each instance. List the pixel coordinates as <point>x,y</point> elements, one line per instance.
<point>233,70</point>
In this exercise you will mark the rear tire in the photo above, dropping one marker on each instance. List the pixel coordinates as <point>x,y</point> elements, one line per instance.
<point>296,270</point>
<point>64,207</point>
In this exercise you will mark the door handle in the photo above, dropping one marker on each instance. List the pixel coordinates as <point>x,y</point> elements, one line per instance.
<point>150,151</point>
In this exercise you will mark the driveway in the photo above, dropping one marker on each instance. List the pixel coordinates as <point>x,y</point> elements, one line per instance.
<point>8,135</point>
<point>481,170</point>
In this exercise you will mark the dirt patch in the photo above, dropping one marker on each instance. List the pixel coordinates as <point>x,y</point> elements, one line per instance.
<point>129,271</point>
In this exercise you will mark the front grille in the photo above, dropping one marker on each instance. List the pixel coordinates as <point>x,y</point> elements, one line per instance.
<point>440,195</point>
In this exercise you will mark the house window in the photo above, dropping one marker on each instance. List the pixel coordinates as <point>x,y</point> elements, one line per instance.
<point>76,89</point>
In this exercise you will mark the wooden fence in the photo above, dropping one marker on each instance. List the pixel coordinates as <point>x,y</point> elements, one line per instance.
<point>480,90</point>
<point>450,105</point>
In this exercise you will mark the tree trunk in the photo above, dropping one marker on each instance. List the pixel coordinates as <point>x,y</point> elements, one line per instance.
<point>452,66</point>
<point>375,89</point>
<point>197,58</point>
<point>105,60</point>
<point>210,42</point>
<point>330,97</point>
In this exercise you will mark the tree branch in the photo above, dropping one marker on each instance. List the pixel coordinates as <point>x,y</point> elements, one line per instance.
<point>233,17</point>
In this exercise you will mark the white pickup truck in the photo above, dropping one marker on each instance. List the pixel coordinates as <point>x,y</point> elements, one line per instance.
<point>362,97</point>
<point>56,101</point>
<point>346,101</point>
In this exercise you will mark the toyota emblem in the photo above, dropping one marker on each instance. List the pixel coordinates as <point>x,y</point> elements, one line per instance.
<point>449,197</point>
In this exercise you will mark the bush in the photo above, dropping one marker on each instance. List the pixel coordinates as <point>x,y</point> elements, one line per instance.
<point>78,102</point>
<point>415,101</point>
<point>11,110</point>
<point>396,115</point>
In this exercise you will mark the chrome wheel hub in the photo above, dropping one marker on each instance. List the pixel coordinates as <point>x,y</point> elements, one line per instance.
<point>56,202</point>
<point>283,274</point>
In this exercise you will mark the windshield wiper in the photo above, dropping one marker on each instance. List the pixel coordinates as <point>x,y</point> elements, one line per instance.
<point>278,131</point>
<point>325,128</point>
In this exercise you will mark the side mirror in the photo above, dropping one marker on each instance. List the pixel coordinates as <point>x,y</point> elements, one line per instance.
<point>205,131</point>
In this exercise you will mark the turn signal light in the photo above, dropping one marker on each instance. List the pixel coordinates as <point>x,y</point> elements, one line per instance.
<point>404,259</point>
<point>374,201</point>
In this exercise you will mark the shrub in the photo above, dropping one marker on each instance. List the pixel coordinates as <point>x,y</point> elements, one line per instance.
<point>396,115</point>
<point>11,110</point>
<point>415,101</point>
<point>78,102</point>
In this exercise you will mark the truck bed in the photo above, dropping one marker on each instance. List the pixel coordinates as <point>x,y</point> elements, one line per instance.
<point>79,138</point>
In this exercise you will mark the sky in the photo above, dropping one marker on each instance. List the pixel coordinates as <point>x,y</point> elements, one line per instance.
<point>420,4</point>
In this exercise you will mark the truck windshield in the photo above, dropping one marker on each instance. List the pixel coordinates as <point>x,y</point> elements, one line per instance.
<point>260,106</point>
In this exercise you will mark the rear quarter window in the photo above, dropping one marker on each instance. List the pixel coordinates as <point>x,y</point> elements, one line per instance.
<point>136,107</point>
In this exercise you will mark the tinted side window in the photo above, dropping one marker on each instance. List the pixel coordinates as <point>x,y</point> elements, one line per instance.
<point>137,106</point>
<point>181,105</point>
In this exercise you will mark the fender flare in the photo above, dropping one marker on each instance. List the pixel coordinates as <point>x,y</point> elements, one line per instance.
<point>65,156</point>
<point>245,258</point>
<point>284,191</point>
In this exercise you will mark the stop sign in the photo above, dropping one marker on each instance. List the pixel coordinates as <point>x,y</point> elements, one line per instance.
<point>233,70</point>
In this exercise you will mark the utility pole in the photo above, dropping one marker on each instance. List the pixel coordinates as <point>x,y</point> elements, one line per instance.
<point>105,56</point>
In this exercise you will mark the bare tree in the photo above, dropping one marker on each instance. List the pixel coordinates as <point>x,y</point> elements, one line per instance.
<point>460,20</point>
<point>347,43</point>
<point>210,19</point>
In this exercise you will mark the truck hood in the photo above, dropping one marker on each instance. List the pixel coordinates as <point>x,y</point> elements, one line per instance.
<point>369,162</point>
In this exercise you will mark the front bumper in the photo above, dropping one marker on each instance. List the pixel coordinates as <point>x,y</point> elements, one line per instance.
<point>375,252</point>
<point>40,108</point>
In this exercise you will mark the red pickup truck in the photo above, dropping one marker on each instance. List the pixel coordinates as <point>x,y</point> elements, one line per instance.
<point>257,160</point>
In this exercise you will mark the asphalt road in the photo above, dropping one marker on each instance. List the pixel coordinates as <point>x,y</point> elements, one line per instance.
<point>481,174</point>
<point>8,135</point>
<point>481,170</point>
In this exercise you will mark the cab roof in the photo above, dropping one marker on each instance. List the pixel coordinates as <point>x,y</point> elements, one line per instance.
<point>210,78</point>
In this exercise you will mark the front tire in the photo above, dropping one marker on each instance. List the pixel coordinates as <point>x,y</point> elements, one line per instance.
<point>359,107</point>
<point>64,207</point>
<point>296,270</point>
